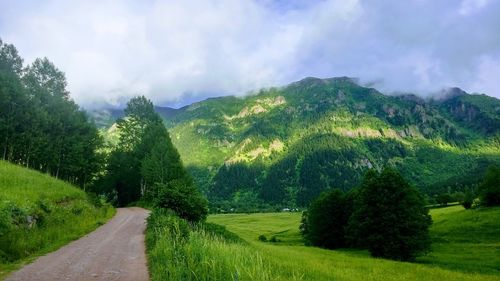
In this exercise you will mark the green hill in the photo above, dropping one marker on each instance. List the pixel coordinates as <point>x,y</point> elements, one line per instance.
<point>285,145</point>
<point>38,214</point>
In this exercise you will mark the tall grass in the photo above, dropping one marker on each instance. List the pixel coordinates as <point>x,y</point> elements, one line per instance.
<point>39,214</point>
<point>179,251</point>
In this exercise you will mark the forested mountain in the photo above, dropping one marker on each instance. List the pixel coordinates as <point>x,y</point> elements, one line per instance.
<point>286,145</point>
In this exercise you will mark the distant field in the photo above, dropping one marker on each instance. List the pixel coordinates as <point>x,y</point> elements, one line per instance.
<point>39,214</point>
<point>466,246</point>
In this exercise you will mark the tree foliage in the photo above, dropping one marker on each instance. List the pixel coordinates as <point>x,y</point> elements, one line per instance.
<point>40,126</point>
<point>489,188</point>
<point>326,219</point>
<point>389,217</point>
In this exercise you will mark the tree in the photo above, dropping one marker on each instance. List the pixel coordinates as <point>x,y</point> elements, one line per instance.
<point>489,189</point>
<point>326,220</point>
<point>390,217</point>
<point>137,129</point>
<point>40,126</point>
<point>444,198</point>
<point>162,165</point>
<point>167,183</point>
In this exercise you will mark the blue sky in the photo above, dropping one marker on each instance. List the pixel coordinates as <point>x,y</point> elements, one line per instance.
<point>179,51</point>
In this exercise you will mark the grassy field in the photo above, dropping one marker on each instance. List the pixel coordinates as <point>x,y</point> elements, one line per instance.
<point>466,246</point>
<point>39,214</point>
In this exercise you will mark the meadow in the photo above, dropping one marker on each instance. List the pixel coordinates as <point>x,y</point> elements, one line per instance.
<point>39,214</point>
<point>465,247</point>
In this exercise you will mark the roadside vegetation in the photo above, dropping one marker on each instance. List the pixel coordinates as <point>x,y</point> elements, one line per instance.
<point>179,250</point>
<point>39,214</point>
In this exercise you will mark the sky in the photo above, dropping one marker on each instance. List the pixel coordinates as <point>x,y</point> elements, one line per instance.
<point>176,52</point>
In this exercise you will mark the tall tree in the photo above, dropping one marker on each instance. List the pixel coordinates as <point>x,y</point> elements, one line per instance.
<point>166,182</point>
<point>390,217</point>
<point>124,167</point>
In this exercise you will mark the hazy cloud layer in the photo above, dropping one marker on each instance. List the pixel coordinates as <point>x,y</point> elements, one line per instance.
<point>173,51</point>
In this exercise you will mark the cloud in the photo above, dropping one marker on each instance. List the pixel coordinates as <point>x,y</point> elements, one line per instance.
<point>173,51</point>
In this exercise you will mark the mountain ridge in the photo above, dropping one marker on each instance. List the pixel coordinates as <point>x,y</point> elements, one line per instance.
<point>285,145</point>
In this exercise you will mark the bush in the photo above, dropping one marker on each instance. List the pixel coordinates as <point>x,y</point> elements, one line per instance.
<point>444,198</point>
<point>262,238</point>
<point>468,199</point>
<point>183,198</point>
<point>390,217</point>
<point>326,219</point>
<point>489,189</point>
<point>274,239</point>
<point>5,221</point>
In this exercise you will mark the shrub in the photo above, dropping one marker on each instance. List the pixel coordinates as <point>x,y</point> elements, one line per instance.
<point>468,199</point>
<point>262,238</point>
<point>489,189</point>
<point>444,198</point>
<point>183,198</point>
<point>304,225</point>
<point>390,216</point>
<point>5,221</point>
<point>274,239</point>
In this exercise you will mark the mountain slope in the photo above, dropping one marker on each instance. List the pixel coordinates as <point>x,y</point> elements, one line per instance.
<point>285,145</point>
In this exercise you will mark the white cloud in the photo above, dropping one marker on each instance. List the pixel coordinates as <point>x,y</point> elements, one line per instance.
<point>470,6</point>
<point>170,50</point>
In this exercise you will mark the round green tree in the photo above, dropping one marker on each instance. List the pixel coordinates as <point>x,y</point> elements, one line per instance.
<point>326,219</point>
<point>390,217</point>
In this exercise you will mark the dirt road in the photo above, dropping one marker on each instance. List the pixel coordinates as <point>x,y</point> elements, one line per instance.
<point>115,251</point>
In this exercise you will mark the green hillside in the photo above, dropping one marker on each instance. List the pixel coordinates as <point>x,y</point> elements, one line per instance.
<point>38,214</point>
<point>283,146</point>
<point>465,247</point>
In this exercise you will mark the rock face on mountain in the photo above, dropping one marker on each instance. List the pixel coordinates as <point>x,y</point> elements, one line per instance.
<point>286,145</point>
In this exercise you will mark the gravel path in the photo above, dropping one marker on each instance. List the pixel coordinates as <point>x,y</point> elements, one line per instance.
<point>114,251</point>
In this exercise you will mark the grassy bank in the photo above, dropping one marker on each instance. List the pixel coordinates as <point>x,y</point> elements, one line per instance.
<point>465,247</point>
<point>179,251</point>
<point>39,214</point>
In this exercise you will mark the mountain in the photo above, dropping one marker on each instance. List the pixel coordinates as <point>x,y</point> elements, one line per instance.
<point>285,145</point>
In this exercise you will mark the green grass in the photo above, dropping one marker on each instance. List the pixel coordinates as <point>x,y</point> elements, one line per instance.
<point>465,247</point>
<point>177,251</point>
<point>465,240</point>
<point>39,214</point>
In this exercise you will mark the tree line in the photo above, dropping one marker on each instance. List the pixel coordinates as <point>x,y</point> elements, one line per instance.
<point>41,127</point>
